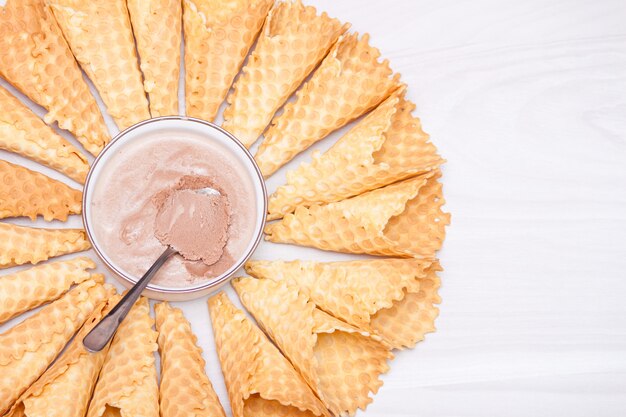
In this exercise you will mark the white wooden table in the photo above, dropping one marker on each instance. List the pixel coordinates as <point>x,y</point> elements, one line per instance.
<point>527,101</point>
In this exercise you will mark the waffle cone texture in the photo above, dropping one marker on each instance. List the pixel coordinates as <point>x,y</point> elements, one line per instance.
<point>22,244</point>
<point>393,298</point>
<point>349,82</point>
<point>28,193</point>
<point>218,37</point>
<point>100,36</point>
<point>30,288</point>
<point>27,349</point>
<point>157,28</point>
<point>65,389</point>
<point>22,132</point>
<point>402,219</point>
<point>293,41</point>
<point>36,59</point>
<point>339,361</point>
<point>128,379</point>
<point>185,389</point>
<point>259,380</point>
<point>388,145</point>
<point>407,320</point>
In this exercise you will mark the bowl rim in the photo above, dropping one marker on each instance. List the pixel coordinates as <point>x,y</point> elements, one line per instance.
<point>213,283</point>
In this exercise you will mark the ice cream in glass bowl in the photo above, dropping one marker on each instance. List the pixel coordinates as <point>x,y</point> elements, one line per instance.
<point>140,183</point>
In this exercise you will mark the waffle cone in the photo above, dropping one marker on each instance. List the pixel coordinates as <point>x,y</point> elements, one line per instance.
<point>128,379</point>
<point>185,388</point>
<point>218,36</point>
<point>157,28</point>
<point>407,321</point>
<point>339,361</point>
<point>386,146</point>
<point>22,244</point>
<point>36,59</point>
<point>22,132</point>
<point>27,349</point>
<point>349,82</point>
<point>259,380</point>
<point>366,293</point>
<point>100,37</point>
<point>65,389</point>
<point>403,219</point>
<point>294,39</point>
<point>29,193</point>
<point>30,288</point>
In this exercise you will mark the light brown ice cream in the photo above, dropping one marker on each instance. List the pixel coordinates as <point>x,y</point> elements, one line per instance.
<point>193,221</point>
<point>124,211</point>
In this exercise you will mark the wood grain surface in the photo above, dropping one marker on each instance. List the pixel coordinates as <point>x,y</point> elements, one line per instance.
<point>527,102</point>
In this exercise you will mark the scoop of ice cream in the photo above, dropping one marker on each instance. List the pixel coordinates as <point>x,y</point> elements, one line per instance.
<point>193,223</point>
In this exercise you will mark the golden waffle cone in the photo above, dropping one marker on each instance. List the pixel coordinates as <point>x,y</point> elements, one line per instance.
<point>157,28</point>
<point>365,293</point>
<point>27,349</point>
<point>259,380</point>
<point>35,58</point>
<point>386,146</point>
<point>218,36</point>
<point>349,82</point>
<point>22,132</point>
<point>339,361</point>
<point>65,389</point>
<point>292,307</point>
<point>352,291</point>
<point>346,355</point>
<point>22,244</point>
<point>28,193</point>
<point>100,36</point>
<point>409,319</point>
<point>127,384</point>
<point>292,42</point>
<point>185,388</point>
<point>30,288</point>
<point>403,219</point>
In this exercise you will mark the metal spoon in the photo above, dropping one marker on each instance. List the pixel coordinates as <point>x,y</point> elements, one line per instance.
<point>103,332</point>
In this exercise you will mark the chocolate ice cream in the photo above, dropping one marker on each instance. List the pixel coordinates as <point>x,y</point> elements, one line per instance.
<point>194,222</point>
<point>140,179</point>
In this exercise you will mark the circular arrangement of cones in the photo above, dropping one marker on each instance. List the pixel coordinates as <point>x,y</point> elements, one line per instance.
<point>376,191</point>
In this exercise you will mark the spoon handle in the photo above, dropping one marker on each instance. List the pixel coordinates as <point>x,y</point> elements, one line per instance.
<point>102,333</point>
